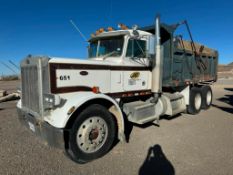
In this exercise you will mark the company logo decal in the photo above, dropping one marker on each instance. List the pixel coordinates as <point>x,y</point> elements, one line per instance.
<point>135,75</point>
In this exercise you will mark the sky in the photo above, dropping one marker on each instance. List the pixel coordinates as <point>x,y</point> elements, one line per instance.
<point>42,27</point>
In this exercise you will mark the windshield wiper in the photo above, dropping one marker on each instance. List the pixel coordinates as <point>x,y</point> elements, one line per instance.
<point>138,60</point>
<point>110,54</point>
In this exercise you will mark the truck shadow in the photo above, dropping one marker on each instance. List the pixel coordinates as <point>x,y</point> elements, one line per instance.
<point>156,163</point>
<point>166,117</point>
<point>229,89</point>
<point>228,99</point>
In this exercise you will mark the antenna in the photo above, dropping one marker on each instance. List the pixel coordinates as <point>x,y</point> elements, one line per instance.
<point>14,64</point>
<point>9,67</point>
<point>110,10</point>
<point>76,27</point>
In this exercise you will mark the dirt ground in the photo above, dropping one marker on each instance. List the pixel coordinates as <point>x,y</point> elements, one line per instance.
<point>201,144</point>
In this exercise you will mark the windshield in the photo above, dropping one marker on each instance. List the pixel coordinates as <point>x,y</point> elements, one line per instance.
<point>105,47</point>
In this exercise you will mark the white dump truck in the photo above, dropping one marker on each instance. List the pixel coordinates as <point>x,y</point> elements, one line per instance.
<point>131,75</point>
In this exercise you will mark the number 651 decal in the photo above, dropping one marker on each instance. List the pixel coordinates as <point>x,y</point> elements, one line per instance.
<point>64,77</point>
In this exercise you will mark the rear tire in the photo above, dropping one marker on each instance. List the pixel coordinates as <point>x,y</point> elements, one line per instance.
<point>92,134</point>
<point>207,97</point>
<point>195,101</point>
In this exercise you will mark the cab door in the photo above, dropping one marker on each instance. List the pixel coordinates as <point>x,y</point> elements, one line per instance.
<point>134,80</point>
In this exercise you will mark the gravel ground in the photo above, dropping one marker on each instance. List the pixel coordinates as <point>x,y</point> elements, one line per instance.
<point>201,144</point>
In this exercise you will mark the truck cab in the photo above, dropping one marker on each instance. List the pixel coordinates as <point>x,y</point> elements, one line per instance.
<point>122,46</point>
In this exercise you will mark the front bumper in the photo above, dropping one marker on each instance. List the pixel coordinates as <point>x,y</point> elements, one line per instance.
<point>51,135</point>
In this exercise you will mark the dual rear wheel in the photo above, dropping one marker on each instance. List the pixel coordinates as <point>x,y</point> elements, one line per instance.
<point>207,97</point>
<point>200,98</point>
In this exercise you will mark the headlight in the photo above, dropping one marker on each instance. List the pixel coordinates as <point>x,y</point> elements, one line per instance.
<point>53,100</point>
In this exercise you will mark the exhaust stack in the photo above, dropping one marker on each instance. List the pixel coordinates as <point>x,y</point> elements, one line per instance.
<point>157,70</point>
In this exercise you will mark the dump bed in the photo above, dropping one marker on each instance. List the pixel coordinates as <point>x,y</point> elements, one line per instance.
<point>183,66</point>
<point>185,63</point>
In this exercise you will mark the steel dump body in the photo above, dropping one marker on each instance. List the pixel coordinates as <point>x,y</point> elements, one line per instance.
<point>184,63</point>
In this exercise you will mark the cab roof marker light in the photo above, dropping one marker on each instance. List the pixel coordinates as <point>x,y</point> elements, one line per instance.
<point>110,29</point>
<point>97,32</point>
<point>101,30</point>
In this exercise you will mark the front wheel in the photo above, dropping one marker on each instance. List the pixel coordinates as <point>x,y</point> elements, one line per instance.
<point>92,134</point>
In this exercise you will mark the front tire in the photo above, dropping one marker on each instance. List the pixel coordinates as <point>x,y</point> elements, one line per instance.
<point>195,101</point>
<point>92,134</point>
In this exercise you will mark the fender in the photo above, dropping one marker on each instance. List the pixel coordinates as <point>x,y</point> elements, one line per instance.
<point>59,117</point>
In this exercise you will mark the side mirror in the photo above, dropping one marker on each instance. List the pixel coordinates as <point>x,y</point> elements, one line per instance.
<point>151,45</point>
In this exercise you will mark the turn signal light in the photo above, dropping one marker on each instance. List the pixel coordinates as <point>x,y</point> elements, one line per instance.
<point>71,110</point>
<point>96,89</point>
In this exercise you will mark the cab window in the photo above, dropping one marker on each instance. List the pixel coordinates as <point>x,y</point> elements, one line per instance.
<point>136,48</point>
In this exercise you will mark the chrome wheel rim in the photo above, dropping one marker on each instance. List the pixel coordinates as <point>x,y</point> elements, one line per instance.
<point>208,98</point>
<point>198,101</point>
<point>92,134</point>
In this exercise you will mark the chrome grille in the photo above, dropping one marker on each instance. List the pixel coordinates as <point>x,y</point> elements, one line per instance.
<point>30,91</point>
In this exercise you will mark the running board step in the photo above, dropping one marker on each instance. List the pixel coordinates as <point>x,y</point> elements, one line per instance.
<point>140,112</point>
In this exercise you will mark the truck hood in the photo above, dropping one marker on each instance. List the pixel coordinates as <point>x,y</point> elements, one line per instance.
<point>94,61</point>
<point>110,61</point>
